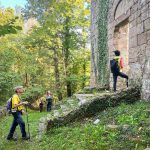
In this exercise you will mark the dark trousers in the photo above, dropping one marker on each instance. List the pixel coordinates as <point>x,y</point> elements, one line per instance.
<point>41,108</point>
<point>49,105</point>
<point>115,76</point>
<point>17,120</point>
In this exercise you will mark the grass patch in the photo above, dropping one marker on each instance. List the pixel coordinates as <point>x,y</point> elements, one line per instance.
<point>133,131</point>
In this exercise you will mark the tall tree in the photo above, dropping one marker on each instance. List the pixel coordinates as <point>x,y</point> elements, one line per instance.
<point>71,21</point>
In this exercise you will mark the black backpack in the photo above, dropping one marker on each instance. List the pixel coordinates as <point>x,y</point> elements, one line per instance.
<point>114,66</point>
<point>9,105</point>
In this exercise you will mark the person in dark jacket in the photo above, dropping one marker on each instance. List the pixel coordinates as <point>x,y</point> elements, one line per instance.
<point>49,99</point>
<point>119,73</point>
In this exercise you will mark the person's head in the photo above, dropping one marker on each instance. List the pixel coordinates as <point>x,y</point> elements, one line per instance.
<point>19,89</point>
<point>117,53</point>
<point>48,93</point>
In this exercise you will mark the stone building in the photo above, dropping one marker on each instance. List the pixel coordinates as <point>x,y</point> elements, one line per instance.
<point>128,29</point>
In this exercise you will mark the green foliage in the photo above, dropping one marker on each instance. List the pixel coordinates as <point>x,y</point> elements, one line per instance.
<point>103,73</point>
<point>51,55</point>
<point>33,93</point>
<point>9,22</point>
<point>7,82</point>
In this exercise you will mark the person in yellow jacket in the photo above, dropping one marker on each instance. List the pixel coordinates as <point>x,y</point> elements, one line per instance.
<point>17,108</point>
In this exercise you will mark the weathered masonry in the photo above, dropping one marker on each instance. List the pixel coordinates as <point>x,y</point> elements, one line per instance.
<point>123,25</point>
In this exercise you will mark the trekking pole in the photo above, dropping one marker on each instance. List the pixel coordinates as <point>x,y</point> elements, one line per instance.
<point>28,122</point>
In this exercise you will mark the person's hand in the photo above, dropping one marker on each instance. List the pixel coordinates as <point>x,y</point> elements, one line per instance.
<point>25,103</point>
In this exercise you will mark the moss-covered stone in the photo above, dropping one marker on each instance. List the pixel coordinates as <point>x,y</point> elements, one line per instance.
<point>96,104</point>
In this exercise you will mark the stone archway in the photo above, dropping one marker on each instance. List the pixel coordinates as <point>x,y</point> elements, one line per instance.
<point>121,38</point>
<point>122,7</point>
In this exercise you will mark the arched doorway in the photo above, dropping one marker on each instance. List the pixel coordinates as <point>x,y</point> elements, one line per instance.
<point>121,38</point>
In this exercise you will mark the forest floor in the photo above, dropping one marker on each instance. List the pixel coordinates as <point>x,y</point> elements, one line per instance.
<point>125,127</point>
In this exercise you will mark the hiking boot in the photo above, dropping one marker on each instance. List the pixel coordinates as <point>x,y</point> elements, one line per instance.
<point>12,138</point>
<point>26,138</point>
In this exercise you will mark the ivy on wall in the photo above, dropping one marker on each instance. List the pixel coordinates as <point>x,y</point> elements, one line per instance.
<point>103,71</point>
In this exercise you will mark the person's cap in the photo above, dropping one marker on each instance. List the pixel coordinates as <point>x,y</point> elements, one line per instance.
<point>117,52</point>
<point>18,87</point>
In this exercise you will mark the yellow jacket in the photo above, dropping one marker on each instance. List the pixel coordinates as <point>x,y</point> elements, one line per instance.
<point>120,62</point>
<point>16,100</point>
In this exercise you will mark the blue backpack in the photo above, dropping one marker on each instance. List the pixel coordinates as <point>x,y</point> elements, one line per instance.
<point>9,106</point>
<point>114,66</point>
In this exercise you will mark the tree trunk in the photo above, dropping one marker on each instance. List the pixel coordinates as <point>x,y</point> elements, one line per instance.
<point>26,80</point>
<point>66,56</point>
<point>57,75</point>
<point>84,74</point>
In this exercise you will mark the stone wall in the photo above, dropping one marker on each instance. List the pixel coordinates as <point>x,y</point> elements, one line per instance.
<point>94,42</point>
<point>2,111</point>
<point>92,106</point>
<point>146,78</point>
<point>137,14</point>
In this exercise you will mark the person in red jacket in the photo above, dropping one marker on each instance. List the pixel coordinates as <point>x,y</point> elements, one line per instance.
<point>119,60</point>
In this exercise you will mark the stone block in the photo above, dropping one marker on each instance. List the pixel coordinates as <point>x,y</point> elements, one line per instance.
<point>148,35</point>
<point>133,32</point>
<point>135,73</point>
<point>133,23</point>
<point>142,3</point>
<point>145,15</point>
<point>138,20</point>
<point>142,38</point>
<point>134,8</point>
<point>147,24</point>
<point>133,52</point>
<point>148,51</point>
<point>142,48</point>
<point>110,43</point>
<point>110,36</point>
<point>132,60</point>
<point>110,25</point>
<point>133,16</point>
<point>133,42</point>
<point>146,85</point>
<point>140,28</point>
<point>144,8</point>
<point>142,54</point>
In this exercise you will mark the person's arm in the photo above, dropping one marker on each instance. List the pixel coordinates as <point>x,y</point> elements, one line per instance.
<point>16,103</point>
<point>21,103</point>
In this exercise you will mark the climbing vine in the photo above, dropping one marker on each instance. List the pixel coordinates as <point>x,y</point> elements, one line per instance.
<point>103,73</point>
